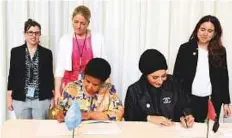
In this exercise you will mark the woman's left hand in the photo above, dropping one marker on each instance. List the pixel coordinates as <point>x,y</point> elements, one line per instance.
<point>52,104</point>
<point>85,116</point>
<point>60,116</point>
<point>227,111</point>
<point>96,115</point>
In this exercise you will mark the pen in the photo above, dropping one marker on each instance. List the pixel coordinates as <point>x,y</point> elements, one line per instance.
<point>185,120</point>
<point>94,122</point>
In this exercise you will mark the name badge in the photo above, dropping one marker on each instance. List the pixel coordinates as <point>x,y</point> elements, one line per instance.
<point>30,92</point>
<point>80,76</point>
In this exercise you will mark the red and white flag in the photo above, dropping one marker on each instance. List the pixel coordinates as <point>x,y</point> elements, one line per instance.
<point>211,111</point>
<point>212,116</point>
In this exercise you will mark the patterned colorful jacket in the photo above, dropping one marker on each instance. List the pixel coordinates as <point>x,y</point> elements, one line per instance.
<point>105,100</point>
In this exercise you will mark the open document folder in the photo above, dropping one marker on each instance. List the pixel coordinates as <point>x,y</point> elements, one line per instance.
<point>99,128</point>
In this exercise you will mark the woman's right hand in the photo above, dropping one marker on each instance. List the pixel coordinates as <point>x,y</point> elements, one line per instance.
<point>58,83</point>
<point>159,120</point>
<point>57,98</point>
<point>60,116</point>
<point>9,101</point>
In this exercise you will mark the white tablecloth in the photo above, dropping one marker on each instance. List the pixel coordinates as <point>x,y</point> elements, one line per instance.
<point>53,129</point>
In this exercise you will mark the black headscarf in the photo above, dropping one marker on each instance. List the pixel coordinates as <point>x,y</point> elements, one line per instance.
<point>152,60</point>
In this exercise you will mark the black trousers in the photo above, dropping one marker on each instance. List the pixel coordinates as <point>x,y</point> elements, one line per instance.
<point>199,107</point>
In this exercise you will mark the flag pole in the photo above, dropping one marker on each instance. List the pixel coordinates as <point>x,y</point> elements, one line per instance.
<point>207,134</point>
<point>73,133</point>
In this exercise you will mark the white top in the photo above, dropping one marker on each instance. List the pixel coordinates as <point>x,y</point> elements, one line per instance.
<point>64,57</point>
<point>201,84</point>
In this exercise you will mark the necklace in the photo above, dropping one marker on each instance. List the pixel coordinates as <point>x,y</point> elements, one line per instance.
<point>80,51</point>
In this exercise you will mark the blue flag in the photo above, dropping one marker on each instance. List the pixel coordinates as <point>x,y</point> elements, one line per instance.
<point>73,116</point>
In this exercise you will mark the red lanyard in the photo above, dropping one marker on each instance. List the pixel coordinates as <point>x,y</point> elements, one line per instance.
<point>81,51</point>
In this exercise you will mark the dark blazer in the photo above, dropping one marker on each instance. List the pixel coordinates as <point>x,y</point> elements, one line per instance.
<point>16,78</point>
<point>185,70</point>
<point>138,102</point>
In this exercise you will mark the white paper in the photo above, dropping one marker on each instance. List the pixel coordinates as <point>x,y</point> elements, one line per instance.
<point>199,130</point>
<point>188,132</point>
<point>100,128</point>
<point>226,130</point>
<point>11,114</point>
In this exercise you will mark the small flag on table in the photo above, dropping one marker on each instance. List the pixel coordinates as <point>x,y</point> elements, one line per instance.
<point>211,111</point>
<point>212,115</point>
<point>73,116</point>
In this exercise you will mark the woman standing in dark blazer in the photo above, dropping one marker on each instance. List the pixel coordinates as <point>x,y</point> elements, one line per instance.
<point>30,80</point>
<point>202,67</point>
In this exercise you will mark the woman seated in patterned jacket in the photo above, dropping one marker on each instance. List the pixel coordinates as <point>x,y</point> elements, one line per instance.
<point>98,100</point>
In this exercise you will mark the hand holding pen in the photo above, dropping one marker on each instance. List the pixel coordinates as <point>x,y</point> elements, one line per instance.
<point>187,121</point>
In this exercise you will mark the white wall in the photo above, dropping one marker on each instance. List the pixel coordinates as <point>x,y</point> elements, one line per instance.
<point>3,60</point>
<point>128,26</point>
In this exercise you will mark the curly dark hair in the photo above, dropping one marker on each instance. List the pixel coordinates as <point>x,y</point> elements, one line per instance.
<point>217,53</point>
<point>98,68</point>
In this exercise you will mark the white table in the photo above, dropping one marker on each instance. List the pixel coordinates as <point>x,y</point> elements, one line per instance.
<point>53,129</point>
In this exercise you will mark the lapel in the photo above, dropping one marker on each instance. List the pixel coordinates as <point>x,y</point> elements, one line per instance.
<point>22,54</point>
<point>166,103</point>
<point>145,102</point>
<point>41,56</point>
<point>194,51</point>
<point>192,57</point>
<point>42,65</point>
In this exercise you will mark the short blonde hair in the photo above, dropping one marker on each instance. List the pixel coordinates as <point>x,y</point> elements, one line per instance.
<point>83,10</point>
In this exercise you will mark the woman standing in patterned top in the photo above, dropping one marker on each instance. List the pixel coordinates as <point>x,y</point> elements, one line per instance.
<point>98,100</point>
<point>30,81</point>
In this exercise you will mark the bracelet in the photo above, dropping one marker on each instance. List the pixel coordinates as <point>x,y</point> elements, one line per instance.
<point>148,118</point>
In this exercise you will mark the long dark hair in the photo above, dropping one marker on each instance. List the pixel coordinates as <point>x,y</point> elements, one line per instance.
<point>217,53</point>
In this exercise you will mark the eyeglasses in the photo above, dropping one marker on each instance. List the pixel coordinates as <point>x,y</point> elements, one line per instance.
<point>30,33</point>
